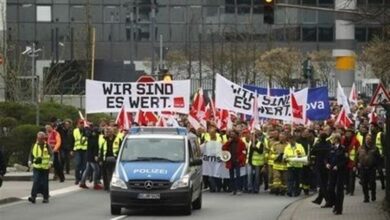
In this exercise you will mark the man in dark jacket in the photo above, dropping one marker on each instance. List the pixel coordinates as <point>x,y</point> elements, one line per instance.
<point>3,168</point>
<point>65,130</point>
<point>92,155</point>
<point>368,158</point>
<point>320,152</point>
<point>336,163</point>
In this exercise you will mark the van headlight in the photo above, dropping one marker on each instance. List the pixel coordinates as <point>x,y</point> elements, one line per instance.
<point>182,182</point>
<point>118,182</point>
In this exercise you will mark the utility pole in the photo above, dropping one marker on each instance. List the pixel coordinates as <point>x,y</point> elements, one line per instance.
<point>153,34</point>
<point>161,53</point>
<point>33,53</point>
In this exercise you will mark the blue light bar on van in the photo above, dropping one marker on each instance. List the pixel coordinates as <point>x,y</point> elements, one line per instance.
<point>158,130</point>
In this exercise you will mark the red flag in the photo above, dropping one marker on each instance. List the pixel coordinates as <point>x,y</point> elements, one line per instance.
<point>223,119</point>
<point>373,117</point>
<point>140,118</point>
<point>343,119</point>
<point>150,118</point>
<point>198,107</point>
<point>353,96</point>
<point>122,119</point>
<point>161,122</point>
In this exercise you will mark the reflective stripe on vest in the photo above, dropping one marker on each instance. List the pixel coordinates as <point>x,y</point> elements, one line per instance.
<point>45,155</point>
<point>359,137</point>
<point>207,137</point>
<point>352,154</point>
<point>80,142</point>
<point>291,152</point>
<point>378,142</point>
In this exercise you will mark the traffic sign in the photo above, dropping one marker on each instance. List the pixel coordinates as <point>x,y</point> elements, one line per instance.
<point>145,79</point>
<point>380,96</point>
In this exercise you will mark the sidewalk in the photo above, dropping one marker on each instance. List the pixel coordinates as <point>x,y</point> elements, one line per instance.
<point>18,186</point>
<point>354,208</point>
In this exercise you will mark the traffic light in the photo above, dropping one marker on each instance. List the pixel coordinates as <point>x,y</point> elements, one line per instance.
<point>307,69</point>
<point>268,8</point>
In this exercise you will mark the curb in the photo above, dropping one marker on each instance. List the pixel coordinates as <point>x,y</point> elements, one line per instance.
<point>17,178</point>
<point>297,203</point>
<point>9,200</point>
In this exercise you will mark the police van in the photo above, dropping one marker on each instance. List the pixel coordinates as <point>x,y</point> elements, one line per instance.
<point>157,167</point>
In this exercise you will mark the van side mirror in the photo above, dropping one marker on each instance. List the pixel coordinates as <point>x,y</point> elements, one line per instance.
<point>196,162</point>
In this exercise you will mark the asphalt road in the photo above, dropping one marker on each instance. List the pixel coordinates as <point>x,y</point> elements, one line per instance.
<point>89,204</point>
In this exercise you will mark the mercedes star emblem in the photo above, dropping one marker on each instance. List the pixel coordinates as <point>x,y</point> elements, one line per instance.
<point>148,184</point>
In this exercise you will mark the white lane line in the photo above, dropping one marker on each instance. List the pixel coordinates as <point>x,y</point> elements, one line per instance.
<point>119,217</point>
<point>52,193</point>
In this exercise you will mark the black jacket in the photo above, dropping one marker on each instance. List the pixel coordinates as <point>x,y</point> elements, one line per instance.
<point>320,152</point>
<point>337,157</point>
<point>93,144</point>
<point>67,139</point>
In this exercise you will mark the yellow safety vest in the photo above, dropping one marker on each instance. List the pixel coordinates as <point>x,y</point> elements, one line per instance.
<point>359,137</point>
<point>257,158</point>
<point>247,145</point>
<point>378,143</point>
<point>291,152</point>
<point>45,155</point>
<point>279,165</point>
<point>206,137</point>
<point>115,147</point>
<point>271,154</point>
<point>80,141</point>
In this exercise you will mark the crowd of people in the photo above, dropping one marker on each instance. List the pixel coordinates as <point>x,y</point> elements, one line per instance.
<point>331,156</point>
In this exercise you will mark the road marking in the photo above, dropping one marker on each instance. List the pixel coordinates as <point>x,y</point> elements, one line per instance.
<point>52,193</point>
<point>119,217</point>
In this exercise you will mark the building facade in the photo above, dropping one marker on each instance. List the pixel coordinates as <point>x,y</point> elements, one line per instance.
<point>129,31</point>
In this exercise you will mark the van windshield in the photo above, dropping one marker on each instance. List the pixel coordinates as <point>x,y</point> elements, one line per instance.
<point>153,149</point>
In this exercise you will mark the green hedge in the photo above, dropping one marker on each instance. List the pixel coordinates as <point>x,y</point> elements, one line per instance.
<point>19,119</point>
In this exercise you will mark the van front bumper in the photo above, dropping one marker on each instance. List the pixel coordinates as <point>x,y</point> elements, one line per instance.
<point>128,198</point>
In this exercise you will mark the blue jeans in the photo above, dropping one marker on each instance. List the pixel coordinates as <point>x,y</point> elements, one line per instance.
<point>215,184</point>
<point>235,178</point>
<point>40,183</point>
<point>80,157</point>
<point>94,168</point>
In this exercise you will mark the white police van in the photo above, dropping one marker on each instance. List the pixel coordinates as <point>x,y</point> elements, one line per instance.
<point>157,167</point>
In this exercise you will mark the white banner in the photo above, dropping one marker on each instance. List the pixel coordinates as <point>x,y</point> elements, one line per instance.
<point>156,96</point>
<point>212,165</point>
<point>235,98</point>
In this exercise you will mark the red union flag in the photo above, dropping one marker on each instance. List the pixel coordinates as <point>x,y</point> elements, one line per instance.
<point>122,120</point>
<point>298,101</point>
<point>343,119</point>
<point>178,102</point>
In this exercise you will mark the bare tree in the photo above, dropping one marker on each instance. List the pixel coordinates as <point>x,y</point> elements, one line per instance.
<point>323,64</point>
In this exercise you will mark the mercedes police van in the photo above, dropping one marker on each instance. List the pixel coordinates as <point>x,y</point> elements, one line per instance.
<point>157,167</point>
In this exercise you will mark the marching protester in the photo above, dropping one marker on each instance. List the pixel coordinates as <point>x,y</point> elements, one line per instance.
<point>336,163</point>
<point>237,149</point>
<point>108,151</point>
<point>368,159</point>
<point>92,167</point>
<point>79,150</point>
<point>292,151</point>
<point>320,152</point>
<point>66,133</point>
<point>247,177</point>
<point>257,162</point>
<point>377,136</point>
<point>279,168</point>
<point>352,145</point>
<point>3,168</point>
<point>40,160</point>
<point>54,141</point>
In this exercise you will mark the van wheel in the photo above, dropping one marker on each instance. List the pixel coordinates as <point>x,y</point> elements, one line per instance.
<point>197,204</point>
<point>115,210</point>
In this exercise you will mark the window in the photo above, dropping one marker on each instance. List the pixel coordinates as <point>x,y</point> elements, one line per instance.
<point>43,13</point>
<point>154,149</point>
<point>325,34</point>
<point>360,34</point>
<point>177,14</point>
<point>78,13</point>
<point>111,14</point>
<point>327,2</point>
<point>309,33</point>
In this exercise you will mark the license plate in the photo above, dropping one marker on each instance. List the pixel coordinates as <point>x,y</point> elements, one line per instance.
<point>148,196</point>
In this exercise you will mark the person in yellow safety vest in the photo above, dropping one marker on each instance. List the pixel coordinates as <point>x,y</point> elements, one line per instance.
<point>270,155</point>
<point>108,151</point>
<point>40,160</point>
<point>294,150</point>
<point>280,167</point>
<point>79,150</point>
<point>258,161</point>
<point>247,178</point>
<point>379,140</point>
<point>360,136</point>
<point>352,146</point>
